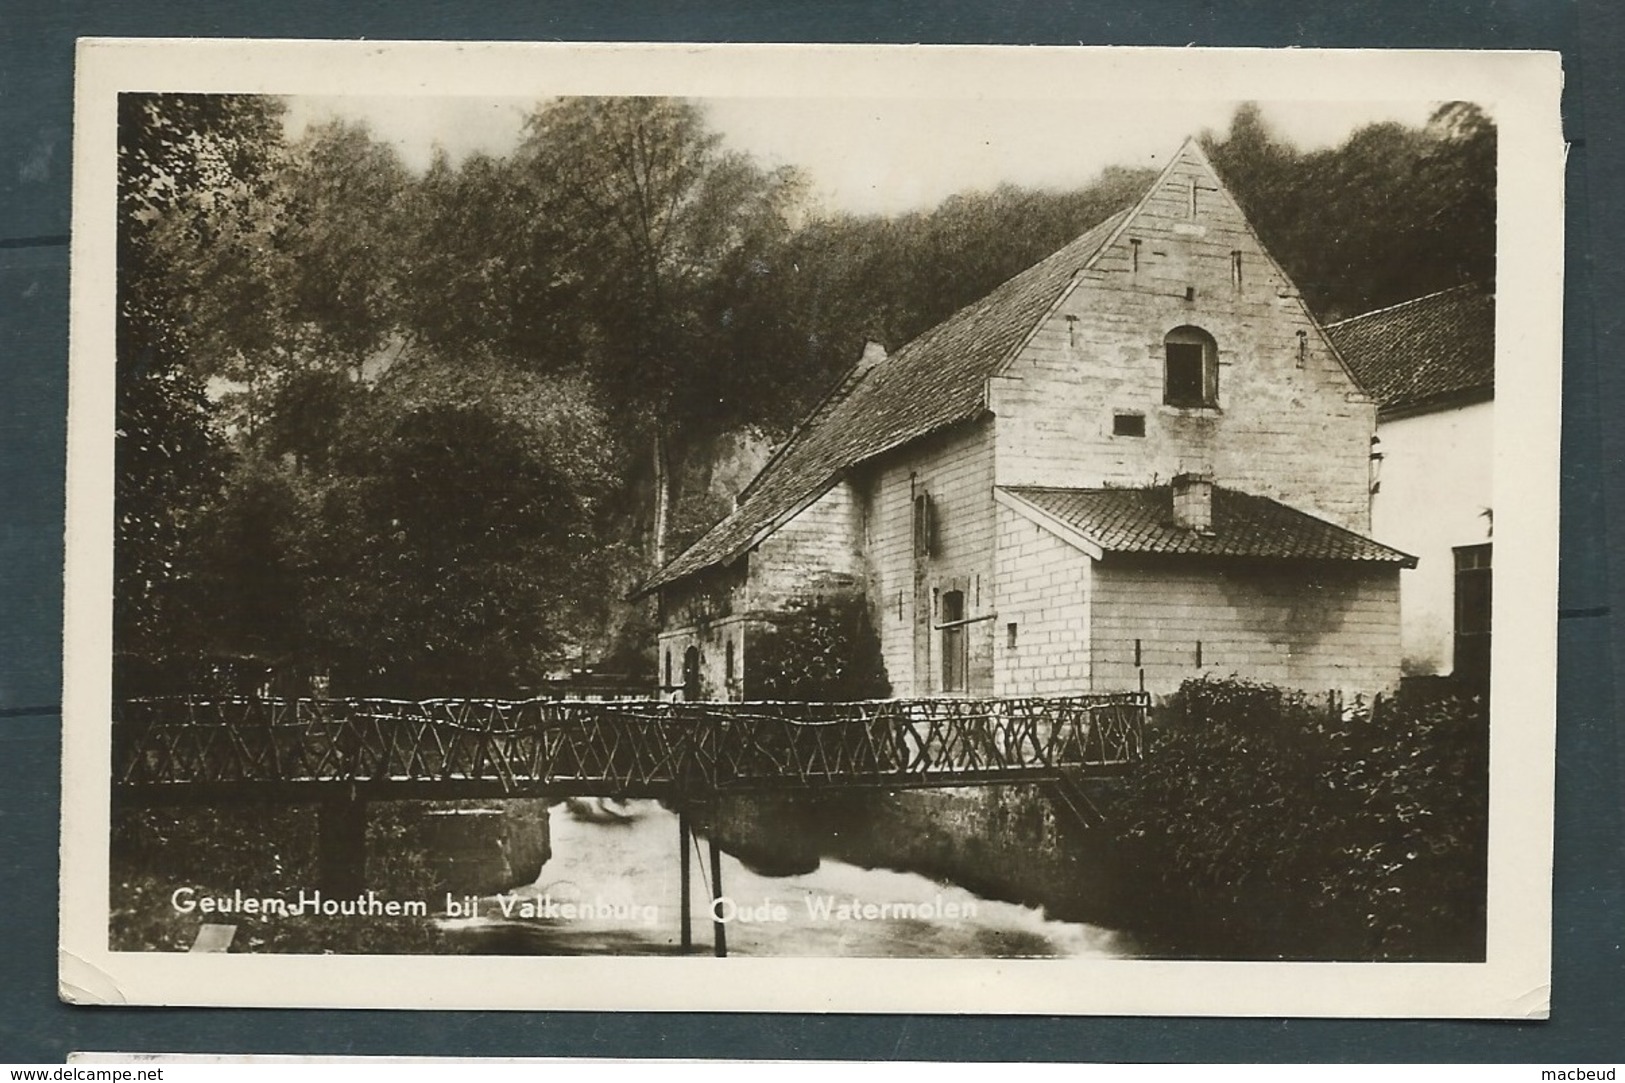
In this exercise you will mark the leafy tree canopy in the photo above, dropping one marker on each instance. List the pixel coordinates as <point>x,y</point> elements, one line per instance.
<point>1391,214</point>
<point>189,165</point>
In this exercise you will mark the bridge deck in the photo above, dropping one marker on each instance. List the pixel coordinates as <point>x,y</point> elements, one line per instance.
<point>204,750</point>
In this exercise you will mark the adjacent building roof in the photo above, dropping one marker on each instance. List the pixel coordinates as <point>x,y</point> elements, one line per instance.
<point>937,380</point>
<point>1243,525</point>
<point>1430,353</point>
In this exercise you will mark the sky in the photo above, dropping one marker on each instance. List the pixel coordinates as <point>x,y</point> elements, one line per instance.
<point>886,155</point>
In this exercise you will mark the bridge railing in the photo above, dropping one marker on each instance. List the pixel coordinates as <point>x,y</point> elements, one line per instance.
<point>638,747</point>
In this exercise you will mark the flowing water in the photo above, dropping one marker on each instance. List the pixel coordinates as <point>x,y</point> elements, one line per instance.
<point>613,888</point>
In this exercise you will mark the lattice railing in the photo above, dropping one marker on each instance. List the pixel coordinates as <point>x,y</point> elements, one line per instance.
<point>621,747</point>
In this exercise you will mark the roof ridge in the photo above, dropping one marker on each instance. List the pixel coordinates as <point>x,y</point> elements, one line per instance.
<point>1111,227</point>
<point>842,386</point>
<point>1252,512</point>
<point>1126,215</point>
<point>937,380</point>
<point>1423,350</point>
<point>1003,289</point>
<point>1404,304</point>
<point>1294,292</point>
<point>845,383</point>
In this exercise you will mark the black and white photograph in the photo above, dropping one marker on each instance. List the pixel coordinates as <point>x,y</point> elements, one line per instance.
<point>812,528</point>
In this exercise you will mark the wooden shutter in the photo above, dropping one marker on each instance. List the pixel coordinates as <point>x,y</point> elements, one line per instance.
<point>925,526</point>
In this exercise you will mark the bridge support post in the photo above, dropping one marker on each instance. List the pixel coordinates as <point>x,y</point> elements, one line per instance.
<point>717,927</point>
<point>341,847</point>
<point>685,836</point>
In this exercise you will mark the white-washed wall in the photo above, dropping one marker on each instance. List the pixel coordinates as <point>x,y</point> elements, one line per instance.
<point>1436,493</point>
<point>1297,627</point>
<point>956,470</point>
<point>1042,587</point>
<point>816,553</point>
<point>1289,424</point>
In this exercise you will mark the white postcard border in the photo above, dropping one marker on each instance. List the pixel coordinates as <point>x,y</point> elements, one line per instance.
<point>1521,90</point>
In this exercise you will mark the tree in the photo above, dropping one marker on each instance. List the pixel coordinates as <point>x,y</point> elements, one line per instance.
<point>319,297</point>
<point>670,221</point>
<point>189,166</point>
<point>391,359</point>
<point>1391,214</point>
<point>486,267</point>
<point>1458,173</point>
<point>341,232</point>
<point>397,495</point>
<point>459,552</point>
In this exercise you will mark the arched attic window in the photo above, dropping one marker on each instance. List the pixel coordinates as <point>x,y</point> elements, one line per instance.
<point>1190,368</point>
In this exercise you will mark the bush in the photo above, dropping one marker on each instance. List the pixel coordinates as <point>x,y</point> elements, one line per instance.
<point>267,851</point>
<point>1263,824</point>
<point>824,650</point>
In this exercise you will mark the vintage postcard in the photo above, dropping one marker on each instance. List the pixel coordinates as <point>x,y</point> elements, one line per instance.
<point>812,528</point>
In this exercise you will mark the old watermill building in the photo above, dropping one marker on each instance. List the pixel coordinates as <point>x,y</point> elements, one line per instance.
<point>1137,461</point>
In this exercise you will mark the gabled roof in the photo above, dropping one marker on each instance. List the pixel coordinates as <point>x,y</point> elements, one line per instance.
<point>1432,352</point>
<point>936,381</point>
<point>1243,525</point>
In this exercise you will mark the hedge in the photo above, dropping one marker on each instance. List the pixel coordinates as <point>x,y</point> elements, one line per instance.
<point>817,650</point>
<point>1264,824</point>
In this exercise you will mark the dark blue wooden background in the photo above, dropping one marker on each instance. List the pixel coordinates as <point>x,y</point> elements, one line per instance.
<point>36,67</point>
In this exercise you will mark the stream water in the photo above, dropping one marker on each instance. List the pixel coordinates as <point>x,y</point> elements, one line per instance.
<point>613,889</point>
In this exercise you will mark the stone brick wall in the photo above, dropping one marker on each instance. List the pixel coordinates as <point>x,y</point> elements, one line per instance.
<point>710,595</point>
<point>1297,627</point>
<point>818,552</point>
<point>1043,587</point>
<point>815,554</point>
<point>1289,422</point>
<point>956,471</point>
<point>712,639</point>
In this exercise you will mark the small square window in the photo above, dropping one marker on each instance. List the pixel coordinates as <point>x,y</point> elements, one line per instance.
<point>1128,425</point>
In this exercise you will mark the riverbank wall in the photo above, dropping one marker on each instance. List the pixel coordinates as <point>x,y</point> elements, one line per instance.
<point>1016,843</point>
<point>469,849</point>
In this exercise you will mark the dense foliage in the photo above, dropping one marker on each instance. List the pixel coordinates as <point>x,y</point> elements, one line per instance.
<point>824,650</point>
<point>1265,824</point>
<point>421,432</point>
<point>1391,214</point>
<point>264,852</point>
<point>188,167</point>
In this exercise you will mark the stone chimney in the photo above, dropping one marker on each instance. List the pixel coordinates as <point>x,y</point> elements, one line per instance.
<point>873,354</point>
<point>1193,503</point>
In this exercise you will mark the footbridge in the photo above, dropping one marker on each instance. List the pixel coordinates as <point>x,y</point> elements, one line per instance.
<point>194,749</point>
